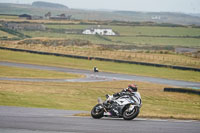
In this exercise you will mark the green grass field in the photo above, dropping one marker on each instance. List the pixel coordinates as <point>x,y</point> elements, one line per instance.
<point>69,26</point>
<point>138,30</point>
<point>138,35</point>
<point>103,66</point>
<point>148,35</point>
<point>92,38</point>
<point>157,41</point>
<point>15,72</point>
<point>121,40</point>
<point>156,31</point>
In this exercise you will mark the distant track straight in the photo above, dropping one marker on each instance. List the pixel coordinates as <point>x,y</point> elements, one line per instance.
<point>103,76</point>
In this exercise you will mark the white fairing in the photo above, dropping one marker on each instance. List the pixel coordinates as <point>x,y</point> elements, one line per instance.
<point>126,100</point>
<point>137,97</point>
<point>122,101</point>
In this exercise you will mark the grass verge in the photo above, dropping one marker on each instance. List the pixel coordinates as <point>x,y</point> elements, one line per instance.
<point>83,96</point>
<point>102,65</point>
<point>15,72</point>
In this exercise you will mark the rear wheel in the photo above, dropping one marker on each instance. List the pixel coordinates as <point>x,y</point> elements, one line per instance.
<point>97,111</point>
<point>129,115</point>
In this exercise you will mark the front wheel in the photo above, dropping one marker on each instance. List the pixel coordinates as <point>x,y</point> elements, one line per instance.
<point>129,115</point>
<point>97,111</point>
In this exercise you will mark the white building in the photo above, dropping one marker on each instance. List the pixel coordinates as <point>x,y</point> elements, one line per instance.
<point>99,31</point>
<point>155,17</point>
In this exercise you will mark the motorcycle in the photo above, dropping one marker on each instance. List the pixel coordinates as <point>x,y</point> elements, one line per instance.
<point>96,69</point>
<point>126,107</point>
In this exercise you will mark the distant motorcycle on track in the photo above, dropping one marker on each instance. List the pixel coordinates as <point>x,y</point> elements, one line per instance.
<point>95,69</point>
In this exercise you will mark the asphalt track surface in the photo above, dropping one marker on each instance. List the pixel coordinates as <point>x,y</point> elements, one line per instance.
<point>39,120</point>
<point>96,77</point>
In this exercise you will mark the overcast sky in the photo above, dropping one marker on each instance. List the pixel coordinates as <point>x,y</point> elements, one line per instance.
<point>185,6</point>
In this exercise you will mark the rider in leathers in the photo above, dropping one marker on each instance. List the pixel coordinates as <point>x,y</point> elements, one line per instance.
<point>127,91</point>
<point>131,88</point>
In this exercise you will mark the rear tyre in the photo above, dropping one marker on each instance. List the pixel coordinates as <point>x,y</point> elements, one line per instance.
<point>97,111</point>
<point>129,115</point>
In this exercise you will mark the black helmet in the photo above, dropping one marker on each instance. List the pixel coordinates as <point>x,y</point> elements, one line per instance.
<point>132,88</point>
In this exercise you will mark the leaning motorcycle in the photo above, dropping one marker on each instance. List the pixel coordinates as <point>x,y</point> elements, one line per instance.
<point>126,107</point>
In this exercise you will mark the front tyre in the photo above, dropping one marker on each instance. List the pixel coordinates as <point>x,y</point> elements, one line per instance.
<point>129,115</point>
<point>97,111</point>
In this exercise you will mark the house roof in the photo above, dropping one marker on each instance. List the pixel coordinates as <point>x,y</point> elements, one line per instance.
<point>24,15</point>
